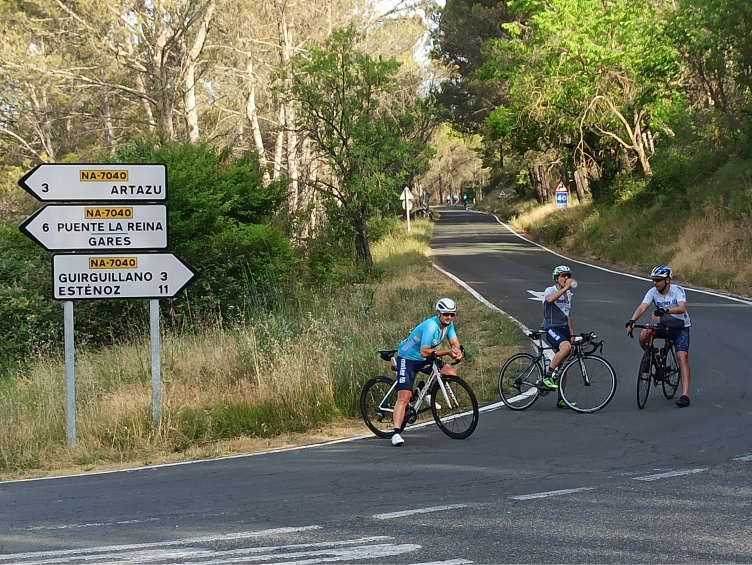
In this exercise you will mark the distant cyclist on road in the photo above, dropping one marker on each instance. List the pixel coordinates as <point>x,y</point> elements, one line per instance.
<point>668,299</point>
<point>416,353</point>
<point>557,322</point>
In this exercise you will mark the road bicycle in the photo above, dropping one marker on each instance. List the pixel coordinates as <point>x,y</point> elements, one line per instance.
<point>587,382</point>
<point>450,399</point>
<point>657,365</point>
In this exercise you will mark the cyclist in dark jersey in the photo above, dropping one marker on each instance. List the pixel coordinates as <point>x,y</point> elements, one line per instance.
<point>557,322</point>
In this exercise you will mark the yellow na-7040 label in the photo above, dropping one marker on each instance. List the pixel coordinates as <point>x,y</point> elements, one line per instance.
<point>113,262</point>
<point>108,212</point>
<point>99,176</point>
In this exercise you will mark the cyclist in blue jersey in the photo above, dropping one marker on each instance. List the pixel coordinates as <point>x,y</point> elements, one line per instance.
<point>557,322</point>
<point>416,354</point>
<point>668,299</point>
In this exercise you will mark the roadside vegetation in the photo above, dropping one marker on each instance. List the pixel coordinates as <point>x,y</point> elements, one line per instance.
<point>283,374</point>
<point>703,232</point>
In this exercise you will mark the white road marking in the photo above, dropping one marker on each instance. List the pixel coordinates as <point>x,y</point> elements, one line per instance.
<point>668,475</point>
<point>550,493</point>
<point>536,295</point>
<point>85,525</point>
<point>450,562</point>
<point>310,553</point>
<point>743,458</point>
<point>403,513</point>
<point>71,553</point>
<point>570,260</point>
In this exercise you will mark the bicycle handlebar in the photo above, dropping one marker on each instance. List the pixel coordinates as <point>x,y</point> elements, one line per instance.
<point>583,340</point>
<point>387,354</point>
<point>644,327</point>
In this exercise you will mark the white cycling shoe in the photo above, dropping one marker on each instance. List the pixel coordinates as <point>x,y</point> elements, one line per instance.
<point>397,440</point>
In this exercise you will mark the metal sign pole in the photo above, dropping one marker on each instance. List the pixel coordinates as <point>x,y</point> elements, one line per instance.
<point>156,366</point>
<point>70,376</point>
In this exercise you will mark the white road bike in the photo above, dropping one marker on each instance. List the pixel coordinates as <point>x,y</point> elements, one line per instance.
<point>450,399</point>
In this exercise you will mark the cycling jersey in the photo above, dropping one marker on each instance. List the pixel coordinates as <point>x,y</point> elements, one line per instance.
<point>556,314</point>
<point>675,295</point>
<point>426,334</point>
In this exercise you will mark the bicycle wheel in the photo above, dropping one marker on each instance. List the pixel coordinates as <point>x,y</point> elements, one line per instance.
<point>643,379</point>
<point>670,374</point>
<point>587,384</point>
<point>518,381</point>
<point>459,417</point>
<point>377,406</point>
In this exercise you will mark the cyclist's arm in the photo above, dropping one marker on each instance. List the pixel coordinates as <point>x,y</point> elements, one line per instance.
<point>427,351</point>
<point>571,329</point>
<point>639,312</point>
<point>680,308</point>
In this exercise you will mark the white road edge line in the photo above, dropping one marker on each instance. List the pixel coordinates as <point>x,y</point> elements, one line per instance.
<point>743,458</point>
<point>550,493</point>
<point>403,513</point>
<point>569,259</point>
<point>668,475</point>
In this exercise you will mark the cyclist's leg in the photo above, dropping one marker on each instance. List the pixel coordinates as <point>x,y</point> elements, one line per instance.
<point>405,379</point>
<point>646,337</point>
<point>560,340</point>
<point>681,343</point>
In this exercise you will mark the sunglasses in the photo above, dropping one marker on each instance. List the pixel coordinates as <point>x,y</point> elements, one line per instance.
<point>658,280</point>
<point>566,275</point>
<point>451,315</point>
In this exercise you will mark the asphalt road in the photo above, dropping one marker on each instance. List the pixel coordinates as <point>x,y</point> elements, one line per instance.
<point>659,485</point>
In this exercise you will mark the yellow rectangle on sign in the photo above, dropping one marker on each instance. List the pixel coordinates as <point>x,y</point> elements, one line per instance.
<point>113,262</point>
<point>100,176</point>
<point>106,213</point>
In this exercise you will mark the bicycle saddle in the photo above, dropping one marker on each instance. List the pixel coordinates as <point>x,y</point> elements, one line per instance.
<point>386,354</point>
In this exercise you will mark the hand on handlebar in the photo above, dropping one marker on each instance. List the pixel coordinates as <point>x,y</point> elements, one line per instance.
<point>630,327</point>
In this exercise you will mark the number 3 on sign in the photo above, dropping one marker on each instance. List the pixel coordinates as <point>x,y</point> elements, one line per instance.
<point>163,287</point>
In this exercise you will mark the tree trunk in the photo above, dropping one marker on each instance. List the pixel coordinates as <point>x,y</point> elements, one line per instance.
<point>280,144</point>
<point>581,182</point>
<point>252,114</point>
<point>362,247</point>
<point>289,123</point>
<point>189,76</point>
<point>42,121</point>
<point>161,72</point>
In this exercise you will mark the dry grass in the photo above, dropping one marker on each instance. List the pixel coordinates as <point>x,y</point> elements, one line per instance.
<point>716,253</point>
<point>276,381</point>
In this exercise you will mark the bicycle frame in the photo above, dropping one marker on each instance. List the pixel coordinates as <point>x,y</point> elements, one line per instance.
<point>435,376</point>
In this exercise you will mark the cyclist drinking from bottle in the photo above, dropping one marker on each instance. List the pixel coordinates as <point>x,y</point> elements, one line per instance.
<point>557,322</point>
<point>416,353</point>
<point>672,300</point>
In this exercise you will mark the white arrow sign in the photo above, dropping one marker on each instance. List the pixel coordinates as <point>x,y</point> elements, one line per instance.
<point>68,182</point>
<point>144,275</point>
<point>67,228</point>
<point>406,195</point>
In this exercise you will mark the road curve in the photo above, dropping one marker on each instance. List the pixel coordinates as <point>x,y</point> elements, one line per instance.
<point>545,485</point>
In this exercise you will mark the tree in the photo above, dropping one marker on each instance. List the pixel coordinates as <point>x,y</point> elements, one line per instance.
<point>581,67</point>
<point>371,145</point>
<point>714,41</point>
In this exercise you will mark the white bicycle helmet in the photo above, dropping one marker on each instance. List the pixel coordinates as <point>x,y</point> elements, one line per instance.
<point>661,272</point>
<point>446,306</point>
<point>561,269</point>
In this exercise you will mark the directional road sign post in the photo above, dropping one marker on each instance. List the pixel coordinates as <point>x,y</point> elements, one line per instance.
<point>117,226</point>
<point>75,182</point>
<point>407,204</point>
<point>90,228</point>
<point>118,276</point>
